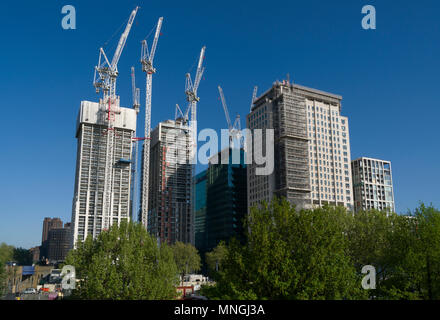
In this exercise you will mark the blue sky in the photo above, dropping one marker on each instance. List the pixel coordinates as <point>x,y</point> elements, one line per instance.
<point>388,79</point>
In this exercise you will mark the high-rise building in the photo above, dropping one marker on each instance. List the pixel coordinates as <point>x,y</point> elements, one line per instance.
<point>91,132</point>
<point>311,146</point>
<point>58,243</point>
<point>221,201</point>
<point>200,211</point>
<point>170,217</point>
<point>372,184</point>
<point>226,195</point>
<point>48,224</point>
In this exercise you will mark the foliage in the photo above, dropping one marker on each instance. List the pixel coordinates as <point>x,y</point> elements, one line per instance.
<point>290,254</point>
<point>22,256</point>
<point>215,259</point>
<point>186,258</point>
<point>6,252</point>
<point>319,254</point>
<point>124,262</point>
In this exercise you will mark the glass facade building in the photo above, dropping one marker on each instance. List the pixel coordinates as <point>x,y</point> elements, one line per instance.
<point>200,210</point>
<point>221,201</point>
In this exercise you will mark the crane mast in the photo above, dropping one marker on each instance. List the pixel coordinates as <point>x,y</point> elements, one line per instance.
<point>136,105</point>
<point>234,129</point>
<point>147,57</point>
<point>135,91</point>
<point>191,96</point>
<point>254,96</point>
<point>105,81</point>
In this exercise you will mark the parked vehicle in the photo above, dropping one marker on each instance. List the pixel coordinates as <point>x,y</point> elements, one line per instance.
<point>30,291</point>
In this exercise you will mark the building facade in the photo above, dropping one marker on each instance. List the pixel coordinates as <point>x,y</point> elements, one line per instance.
<point>221,201</point>
<point>226,195</point>
<point>48,224</point>
<point>19,278</point>
<point>58,244</point>
<point>200,211</point>
<point>91,132</point>
<point>170,217</point>
<point>372,184</point>
<point>35,251</point>
<point>311,146</point>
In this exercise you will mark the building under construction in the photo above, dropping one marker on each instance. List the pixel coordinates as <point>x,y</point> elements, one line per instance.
<point>91,132</point>
<point>311,146</point>
<point>170,217</point>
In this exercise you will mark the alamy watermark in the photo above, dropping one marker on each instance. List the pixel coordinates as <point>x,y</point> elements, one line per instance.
<point>369,281</point>
<point>68,276</point>
<point>69,20</point>
<point>257,144</point>
<point>369,20</point>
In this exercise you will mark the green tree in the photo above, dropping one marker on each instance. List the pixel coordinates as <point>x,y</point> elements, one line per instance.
<point>124,262</point>
<point>22,256</point>
<point>2,278</point>
<point>290,254</point>
<point>405,250</point>
<point>428,235</point>
<point>215,259</point>
<point>370,238</point>
<point>416,253</point>
<point>6,252</point>
<point>186,257</point>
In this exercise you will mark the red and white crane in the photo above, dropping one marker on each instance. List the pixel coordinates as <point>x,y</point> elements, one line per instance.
<point>105,81</point>
<point>147,57</point>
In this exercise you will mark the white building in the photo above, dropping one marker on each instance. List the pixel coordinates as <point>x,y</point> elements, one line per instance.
<point>329,150</point>
<point>372,184</point>
<point>312,147</point>
<point>91,133</point>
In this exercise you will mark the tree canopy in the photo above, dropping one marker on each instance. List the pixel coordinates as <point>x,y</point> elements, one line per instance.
<point>22,256</point>
<point>186,257</point>
<point>124,262</point>
<point>6,254</point>
<point>216,258</point>
<point>319,254</point>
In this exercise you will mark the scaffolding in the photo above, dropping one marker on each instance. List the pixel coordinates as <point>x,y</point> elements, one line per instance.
<point>291,144</point>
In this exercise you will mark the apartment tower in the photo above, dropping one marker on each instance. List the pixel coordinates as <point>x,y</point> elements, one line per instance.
<point>311,146</point>
<point>372,184</point>
<point>170,217</point>
<point>91,131</point>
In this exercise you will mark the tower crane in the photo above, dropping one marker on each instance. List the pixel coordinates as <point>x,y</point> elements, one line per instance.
<point>235,128</point>
<point>147,57</point>
<point>192,98</point>
<point>136,92</point>
<point>254,96</point>
<point>136,105</point>
<point>105,81</point>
